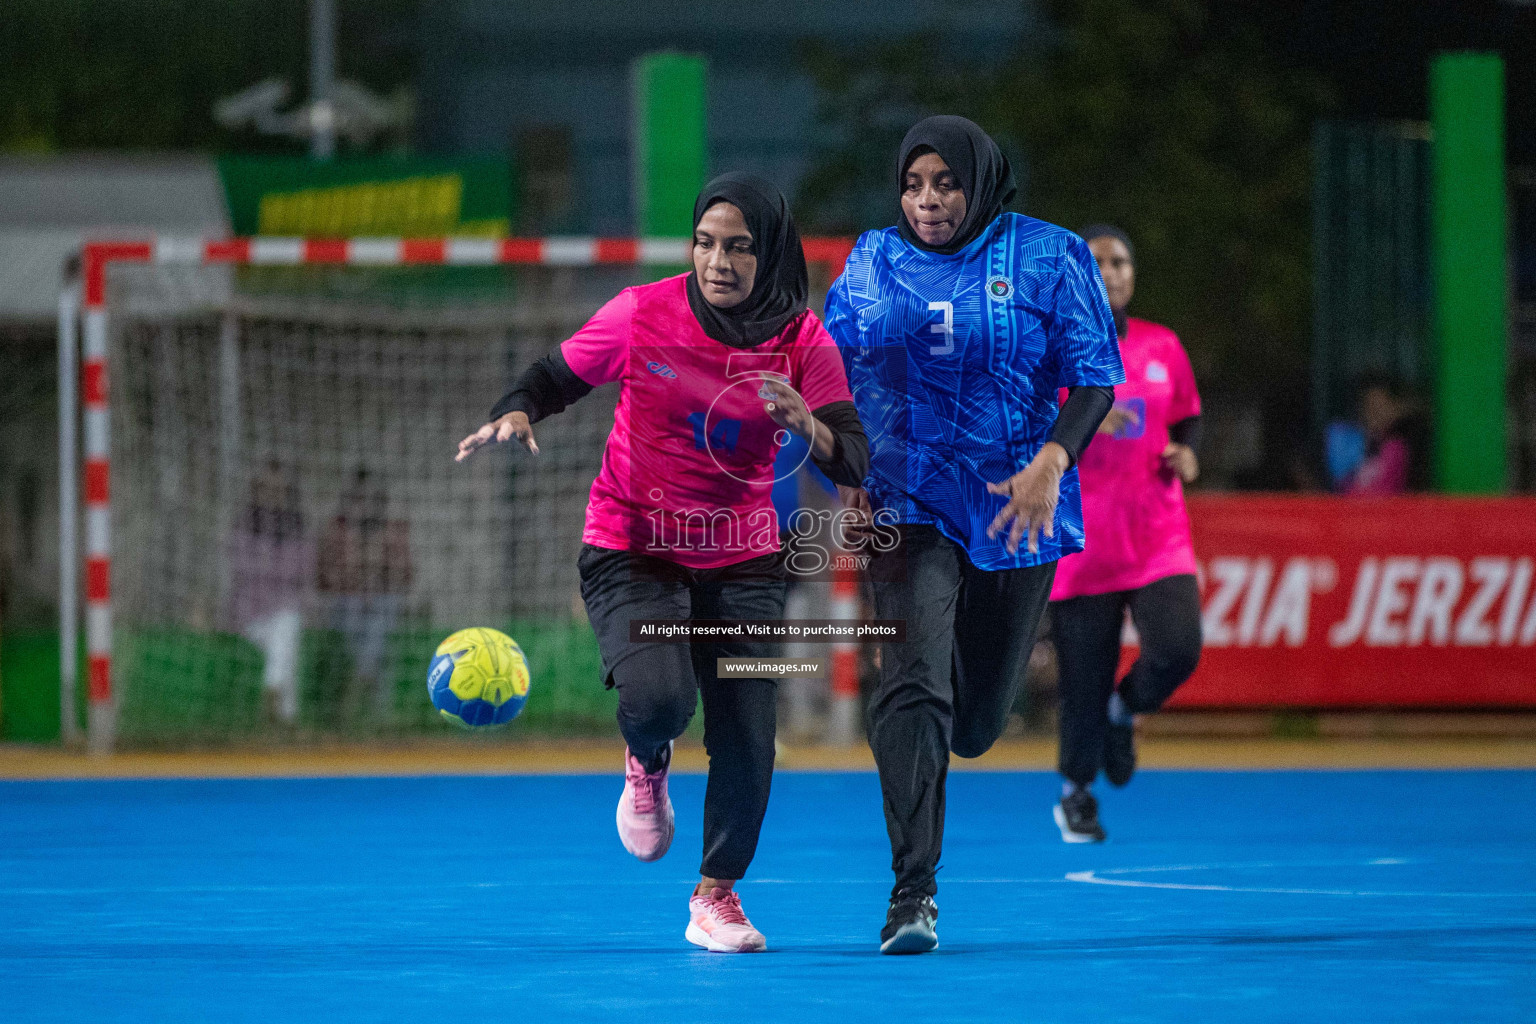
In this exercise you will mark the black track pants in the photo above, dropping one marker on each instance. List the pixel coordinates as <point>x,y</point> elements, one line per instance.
<point>949,687</point>
<point>660,683</point>
<point>1087,634</point>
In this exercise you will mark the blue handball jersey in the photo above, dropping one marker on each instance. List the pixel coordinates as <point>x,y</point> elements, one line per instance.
<point>955,363</point>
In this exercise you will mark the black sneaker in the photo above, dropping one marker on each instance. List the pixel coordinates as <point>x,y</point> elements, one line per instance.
<point>1078,818</point>
<point>910,924</point>
<point>1119,753</point>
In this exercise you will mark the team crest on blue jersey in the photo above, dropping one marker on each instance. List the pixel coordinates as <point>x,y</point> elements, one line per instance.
<point>1000,288</point>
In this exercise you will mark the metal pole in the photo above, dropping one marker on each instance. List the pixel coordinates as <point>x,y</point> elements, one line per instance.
<point>1324,279</point>
<point>322,76</point>
<point>69,483</point>
<point>229,429</point>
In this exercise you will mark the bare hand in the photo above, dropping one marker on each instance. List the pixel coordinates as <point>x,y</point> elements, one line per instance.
<point>504,428</point>
<point>788,409</point>
<point>1179,459</point>
<point>1032,494</point>
<point>1117,419</point>
<point>856,500</point>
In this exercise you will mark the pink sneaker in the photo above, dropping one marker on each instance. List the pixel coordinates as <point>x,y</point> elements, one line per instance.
<point>645,810</point>
<point>717,922</point>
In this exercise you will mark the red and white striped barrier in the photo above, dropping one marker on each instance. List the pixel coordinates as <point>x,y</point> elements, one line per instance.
<point>97,257</point>
<point>460,252</point>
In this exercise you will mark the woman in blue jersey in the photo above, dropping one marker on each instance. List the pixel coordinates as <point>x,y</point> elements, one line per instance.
<point>957,327</point>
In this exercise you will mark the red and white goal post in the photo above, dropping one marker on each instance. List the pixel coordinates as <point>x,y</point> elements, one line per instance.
<point>297,326</point>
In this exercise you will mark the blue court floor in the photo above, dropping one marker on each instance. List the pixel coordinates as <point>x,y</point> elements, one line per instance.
<point>1221,896</point>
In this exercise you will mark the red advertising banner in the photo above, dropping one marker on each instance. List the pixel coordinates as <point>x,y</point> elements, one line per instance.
<point>1364,602</point>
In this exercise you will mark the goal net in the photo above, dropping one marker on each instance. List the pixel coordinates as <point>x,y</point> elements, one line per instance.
<point>290,536</point>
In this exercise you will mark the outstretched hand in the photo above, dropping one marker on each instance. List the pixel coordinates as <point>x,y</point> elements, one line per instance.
<point>1032,494</point>
<point>504,428</point>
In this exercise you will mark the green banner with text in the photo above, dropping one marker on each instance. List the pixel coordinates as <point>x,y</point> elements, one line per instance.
<point>377,196</point>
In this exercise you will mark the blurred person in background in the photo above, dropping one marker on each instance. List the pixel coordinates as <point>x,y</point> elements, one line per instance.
<point>673,534</point>
<point>271,564</point>
<point>365,567</point>
<point>957,326</point>
<point>1139,556</point>
<point>1385,450</point>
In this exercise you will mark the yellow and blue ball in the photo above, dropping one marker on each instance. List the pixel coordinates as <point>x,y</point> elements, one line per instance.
<point>478,678</point>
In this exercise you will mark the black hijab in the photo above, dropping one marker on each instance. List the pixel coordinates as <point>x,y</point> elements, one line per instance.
<point>781,286</point>
<point>983,172</point>
<point>1093,231</point>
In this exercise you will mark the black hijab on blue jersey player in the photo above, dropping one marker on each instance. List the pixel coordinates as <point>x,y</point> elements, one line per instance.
<point>986,178</point>
<point>778,296</point>
<point>983,173</point>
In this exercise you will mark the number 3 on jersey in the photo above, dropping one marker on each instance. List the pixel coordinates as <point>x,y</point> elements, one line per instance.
<point>947,328</point>
<point>722,438</point>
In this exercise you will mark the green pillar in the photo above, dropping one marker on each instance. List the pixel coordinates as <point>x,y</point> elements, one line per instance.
<point>670,150</point>
<point>1470,253</point>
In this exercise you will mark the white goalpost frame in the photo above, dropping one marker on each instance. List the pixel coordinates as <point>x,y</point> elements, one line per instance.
<point>85,304</point>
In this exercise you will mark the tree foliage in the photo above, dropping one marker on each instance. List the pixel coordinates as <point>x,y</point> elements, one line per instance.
<point>145,74</point>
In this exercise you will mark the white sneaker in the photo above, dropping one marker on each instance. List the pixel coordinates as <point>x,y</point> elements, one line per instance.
<point>717,922</point>
<point>645,811</point>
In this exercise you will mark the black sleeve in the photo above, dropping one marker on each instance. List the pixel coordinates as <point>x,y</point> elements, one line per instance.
<point>545,388</point>
<point>850,447</point>
<point>1186,431</point>
<point>1080,416</point>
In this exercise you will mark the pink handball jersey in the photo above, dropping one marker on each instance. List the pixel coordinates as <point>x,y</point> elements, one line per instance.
<point>1133,508</point>
<point>689,468</point>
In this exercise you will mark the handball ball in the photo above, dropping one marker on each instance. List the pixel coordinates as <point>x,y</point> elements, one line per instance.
<point>478,678</point>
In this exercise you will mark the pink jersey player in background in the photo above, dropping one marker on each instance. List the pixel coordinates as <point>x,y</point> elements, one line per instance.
<point>715,369</point>
<point>1137,557</point>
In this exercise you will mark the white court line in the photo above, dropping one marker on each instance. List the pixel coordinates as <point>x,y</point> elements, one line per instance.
<point>887,881</point>
<point>1083,877</point>
<point>444,886</point>
<point>1097,878</point>
<point>1131,883</point>
<point>1247,865</point>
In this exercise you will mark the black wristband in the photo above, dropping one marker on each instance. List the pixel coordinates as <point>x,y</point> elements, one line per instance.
<point>545,388</point>
<point>1080,416</point>
<point>849,462</point>
<point>1186,432</point>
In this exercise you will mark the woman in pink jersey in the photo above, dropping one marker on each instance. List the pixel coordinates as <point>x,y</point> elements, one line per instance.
<point>1138,557</point>
<point>715,369</point>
